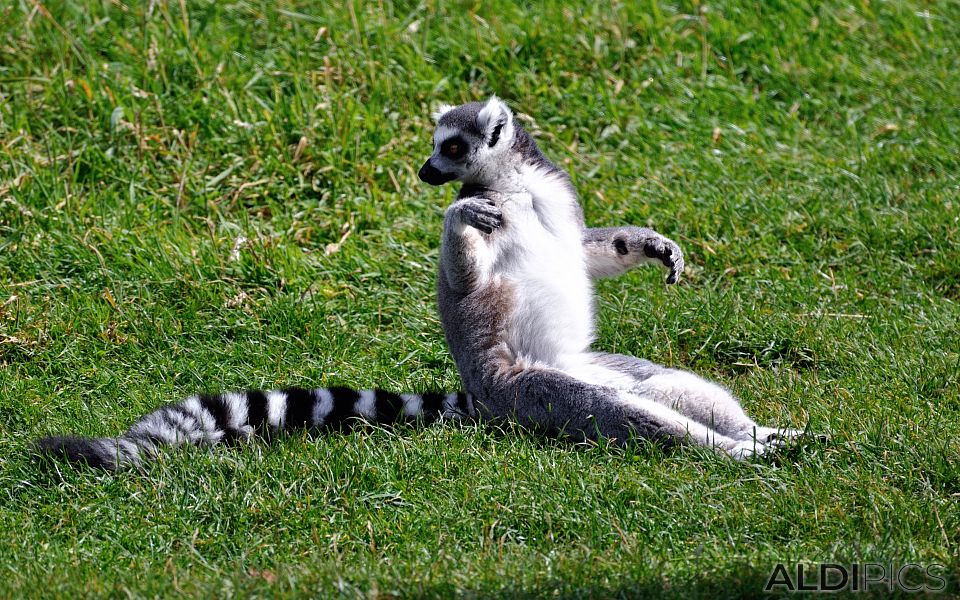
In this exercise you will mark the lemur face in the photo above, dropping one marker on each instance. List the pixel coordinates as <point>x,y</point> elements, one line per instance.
<point>468,142</point>
<point>451,159</point>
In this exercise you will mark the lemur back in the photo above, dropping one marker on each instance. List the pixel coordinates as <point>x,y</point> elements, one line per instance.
<point>516,299</point>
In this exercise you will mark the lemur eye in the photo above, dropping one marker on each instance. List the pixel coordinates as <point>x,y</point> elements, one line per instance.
<point>454,148</point>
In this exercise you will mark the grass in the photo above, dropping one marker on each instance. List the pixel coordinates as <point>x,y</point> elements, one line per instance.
<point>225,197</point>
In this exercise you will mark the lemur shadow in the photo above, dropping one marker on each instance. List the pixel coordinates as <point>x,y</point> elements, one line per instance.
<point>739,581</point>
<point>791,451</point>
<point>748,585</point>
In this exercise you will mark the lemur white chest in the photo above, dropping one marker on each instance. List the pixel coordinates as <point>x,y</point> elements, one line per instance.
<point>539,253</point>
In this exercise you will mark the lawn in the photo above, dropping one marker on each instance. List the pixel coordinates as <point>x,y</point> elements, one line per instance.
<point>202,195</point>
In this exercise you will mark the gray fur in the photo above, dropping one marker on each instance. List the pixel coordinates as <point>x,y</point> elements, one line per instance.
<point>640,369</point>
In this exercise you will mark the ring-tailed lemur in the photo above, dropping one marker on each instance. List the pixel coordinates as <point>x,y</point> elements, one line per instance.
<point>516,300</point>
<point>517,305</point>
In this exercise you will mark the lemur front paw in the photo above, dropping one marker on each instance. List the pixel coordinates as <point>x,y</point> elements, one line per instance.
<point>482,214</point>
<point>664,250</point>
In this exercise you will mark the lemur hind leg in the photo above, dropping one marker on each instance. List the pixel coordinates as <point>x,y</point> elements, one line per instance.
<point>558,402</point>
<point>703,401</point>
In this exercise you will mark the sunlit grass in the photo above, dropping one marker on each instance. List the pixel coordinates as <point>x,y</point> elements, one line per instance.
<point>226,198</point>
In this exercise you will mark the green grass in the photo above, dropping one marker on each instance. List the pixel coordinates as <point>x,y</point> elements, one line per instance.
<point>172,189</point>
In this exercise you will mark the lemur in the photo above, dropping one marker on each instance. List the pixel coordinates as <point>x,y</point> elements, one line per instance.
<point>516,298</point>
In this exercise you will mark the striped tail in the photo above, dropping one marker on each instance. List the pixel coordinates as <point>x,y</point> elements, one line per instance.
<point>211,419</point>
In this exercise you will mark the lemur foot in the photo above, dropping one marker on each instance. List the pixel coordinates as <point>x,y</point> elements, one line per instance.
<point>782,435</point>
<point>481,214</point>
<point>745,450</point>
<point>767,441</point>
<point>775,435</point>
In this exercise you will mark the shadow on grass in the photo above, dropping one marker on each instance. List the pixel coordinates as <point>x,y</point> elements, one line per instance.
<point>48,470</point>
<point>739,581</point>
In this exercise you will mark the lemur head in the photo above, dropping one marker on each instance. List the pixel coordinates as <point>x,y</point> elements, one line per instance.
<point>471,143</point>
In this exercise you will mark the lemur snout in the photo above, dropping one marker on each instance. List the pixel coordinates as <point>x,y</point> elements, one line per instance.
<point>434,176</point>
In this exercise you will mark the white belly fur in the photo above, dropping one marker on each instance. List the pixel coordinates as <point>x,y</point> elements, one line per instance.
<point>552,317</point>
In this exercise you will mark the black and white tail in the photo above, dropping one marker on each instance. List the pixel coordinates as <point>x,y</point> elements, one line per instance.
<point>215,418</point>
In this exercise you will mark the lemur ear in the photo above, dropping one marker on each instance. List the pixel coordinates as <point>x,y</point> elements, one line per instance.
<point>441,110</point>
<point>496,122</point>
